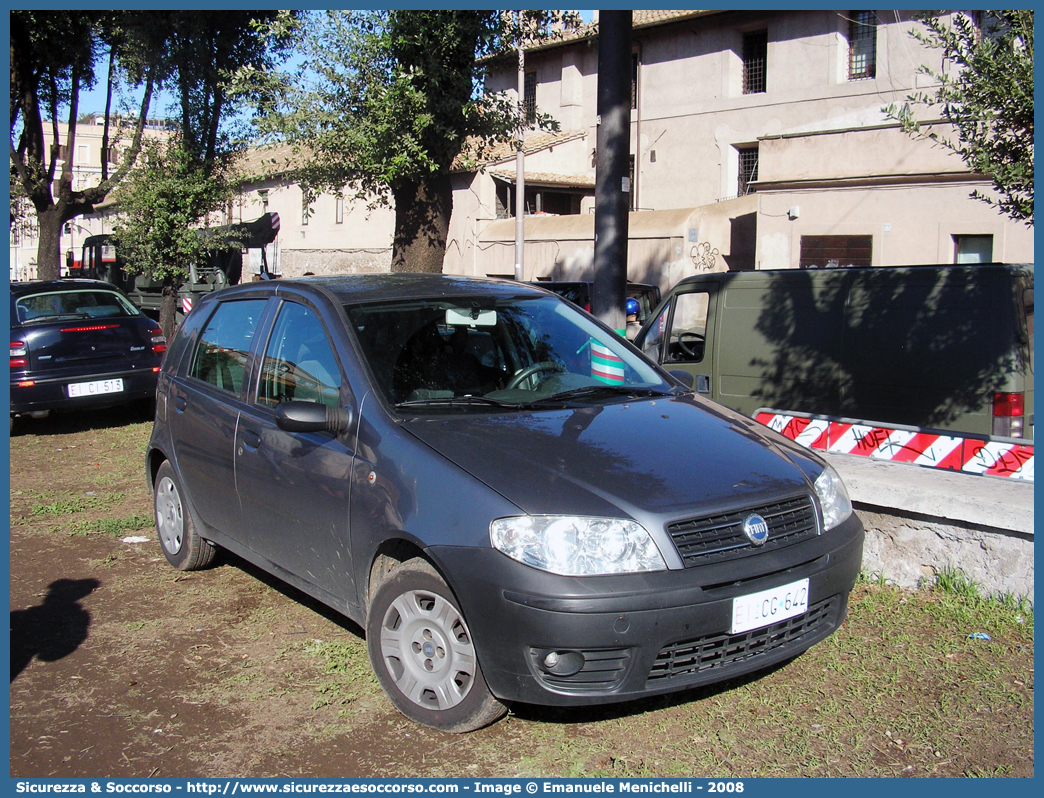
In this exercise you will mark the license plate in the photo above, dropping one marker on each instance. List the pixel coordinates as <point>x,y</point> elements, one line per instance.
<point>95,388</point>
<point>769,606</point>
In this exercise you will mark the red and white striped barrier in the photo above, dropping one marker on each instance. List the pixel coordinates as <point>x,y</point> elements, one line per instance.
<point>933,449</point>
<point>186,305</point>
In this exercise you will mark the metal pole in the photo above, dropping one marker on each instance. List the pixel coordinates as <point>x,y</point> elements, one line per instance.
<point>612,180</point>
<point>520,166</point>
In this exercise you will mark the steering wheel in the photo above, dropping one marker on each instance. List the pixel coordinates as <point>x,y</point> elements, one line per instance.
<point>688,340</point>
<point>529,371</point>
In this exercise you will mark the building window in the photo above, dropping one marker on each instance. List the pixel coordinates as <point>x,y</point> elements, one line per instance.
<point>540,199</point>
<point>973,249</point>
<point>748,169</point>
<point>263,195</point>
<point>819,252</point>
<point>339,211</point>
<point>83,153</point>
<point>862,45</point>
<point>755,58</point>
<point>529,98</point>
<point>306,211</point>
<point>505,204</point>
<point>634,81</point>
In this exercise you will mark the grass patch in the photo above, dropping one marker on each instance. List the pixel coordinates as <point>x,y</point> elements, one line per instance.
<point>112,526</point>
<point>347,661</point>
<point>69,504</point>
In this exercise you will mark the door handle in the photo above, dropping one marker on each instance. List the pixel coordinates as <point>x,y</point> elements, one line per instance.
<point>180,402</point>
<point>703,384</point>
<point>251,439</point>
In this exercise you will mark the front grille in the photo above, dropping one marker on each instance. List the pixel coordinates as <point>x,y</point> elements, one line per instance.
<point>718,538</point>
<point>689,659</point>
<point>603,669</point>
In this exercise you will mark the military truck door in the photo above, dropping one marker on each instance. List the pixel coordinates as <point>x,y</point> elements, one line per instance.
<point>682,336</point>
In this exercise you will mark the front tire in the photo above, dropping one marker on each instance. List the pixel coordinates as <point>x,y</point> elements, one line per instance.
<point>422,652</point>
<point>181,544</point>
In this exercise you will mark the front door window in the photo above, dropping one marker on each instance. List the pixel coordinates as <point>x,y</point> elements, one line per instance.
<point>688,335</point>
<point>299,361</point>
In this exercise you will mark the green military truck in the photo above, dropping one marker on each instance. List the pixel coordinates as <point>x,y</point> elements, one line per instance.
<point>223,267</point>
<point>937,347</point>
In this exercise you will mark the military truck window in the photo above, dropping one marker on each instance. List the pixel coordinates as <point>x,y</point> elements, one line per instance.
<point>221,354</point>
<point>300,363</point>
<point>688,334</point>
<point>1027,303</point>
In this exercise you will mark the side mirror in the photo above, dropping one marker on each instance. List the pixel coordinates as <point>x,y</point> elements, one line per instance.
<point>684,377</point>
<point>312,417</point>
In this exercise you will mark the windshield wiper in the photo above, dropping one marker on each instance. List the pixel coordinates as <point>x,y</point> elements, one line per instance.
<point>451,401</point>
<point>58,317</point>
<point>596,390</point>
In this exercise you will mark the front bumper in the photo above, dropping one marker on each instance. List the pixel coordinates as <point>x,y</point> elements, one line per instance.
<point>641,634</point>
<point>51,393</point>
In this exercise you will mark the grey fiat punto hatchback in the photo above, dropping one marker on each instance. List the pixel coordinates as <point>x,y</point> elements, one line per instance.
<point>513,502</point>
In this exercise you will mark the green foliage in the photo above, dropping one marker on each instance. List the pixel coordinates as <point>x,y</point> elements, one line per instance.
<point>986,93</point>
<point>386,100</point>
<point>163,202</point>
<point>54,55</point>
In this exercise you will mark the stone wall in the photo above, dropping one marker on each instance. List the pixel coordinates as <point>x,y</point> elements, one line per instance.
<point>295,262</point>
<point>911,550</point>
<point>921,522</point>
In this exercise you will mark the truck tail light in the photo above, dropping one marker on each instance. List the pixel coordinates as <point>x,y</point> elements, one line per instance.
<point>19,354</point>
<point>1009,414</point>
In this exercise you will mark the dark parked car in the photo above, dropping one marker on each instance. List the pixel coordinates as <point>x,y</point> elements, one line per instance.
<point>512,500</point>
<point>78,344</point>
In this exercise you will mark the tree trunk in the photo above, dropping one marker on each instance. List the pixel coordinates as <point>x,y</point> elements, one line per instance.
<point>169,306</point>
<point>422,216</point>
<point>48,252</point>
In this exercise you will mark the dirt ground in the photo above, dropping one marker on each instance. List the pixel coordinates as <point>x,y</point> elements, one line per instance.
<point>124,667</point>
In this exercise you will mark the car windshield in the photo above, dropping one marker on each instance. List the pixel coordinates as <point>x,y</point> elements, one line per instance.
<point>511,352</point>
<point>78,304</point>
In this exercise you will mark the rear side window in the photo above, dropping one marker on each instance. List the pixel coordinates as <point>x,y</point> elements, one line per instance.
<point>221,354</point>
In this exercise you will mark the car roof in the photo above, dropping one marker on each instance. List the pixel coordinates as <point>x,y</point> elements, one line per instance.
<point>20,289</point>
<point>367,288</point>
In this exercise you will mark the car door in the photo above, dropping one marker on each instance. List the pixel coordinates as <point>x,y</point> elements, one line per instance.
<point>206,402</point>
<point>294,486</point>
<point>681,336</point>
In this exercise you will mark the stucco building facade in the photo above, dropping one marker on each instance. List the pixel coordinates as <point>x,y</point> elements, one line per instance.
<point>768,126</point>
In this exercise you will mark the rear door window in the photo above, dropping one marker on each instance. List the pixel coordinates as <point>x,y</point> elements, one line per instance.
<point>224,345</point>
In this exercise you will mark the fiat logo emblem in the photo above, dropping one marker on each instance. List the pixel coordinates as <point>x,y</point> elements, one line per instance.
<point>756,529</point>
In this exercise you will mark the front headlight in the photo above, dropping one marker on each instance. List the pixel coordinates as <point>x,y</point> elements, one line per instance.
<point>574,546</point>
<point>833,498</point>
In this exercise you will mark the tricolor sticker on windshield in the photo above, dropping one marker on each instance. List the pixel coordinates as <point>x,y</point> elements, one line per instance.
<point>606,366</point>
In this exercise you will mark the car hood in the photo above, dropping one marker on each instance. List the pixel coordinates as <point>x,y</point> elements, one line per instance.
<point>651,459</point>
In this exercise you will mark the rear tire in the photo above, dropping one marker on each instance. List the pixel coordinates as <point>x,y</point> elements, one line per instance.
<point>181,544</point>
<point>422,652</point>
